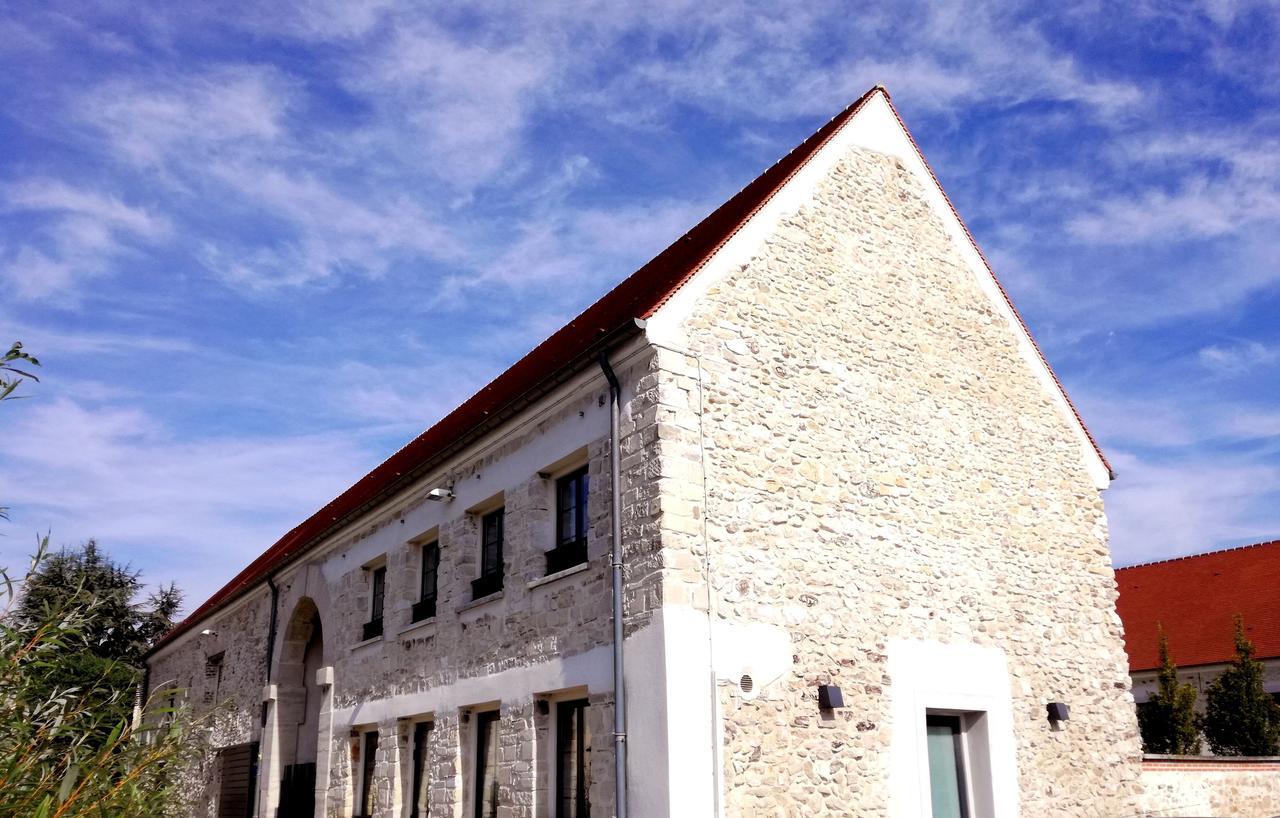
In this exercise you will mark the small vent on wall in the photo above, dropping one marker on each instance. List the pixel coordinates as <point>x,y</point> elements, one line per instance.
<point>747,685</point>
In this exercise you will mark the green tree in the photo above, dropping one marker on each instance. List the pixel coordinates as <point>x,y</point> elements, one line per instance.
<point>65,750</point>
<point>112,634</point>
<point>1241,718</point>
<point>1168,721</point>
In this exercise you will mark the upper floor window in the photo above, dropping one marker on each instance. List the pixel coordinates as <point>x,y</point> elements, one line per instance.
<point>491,565</point>
<point>377,600</point>
<point>425,607</point>
<point>571,522</point>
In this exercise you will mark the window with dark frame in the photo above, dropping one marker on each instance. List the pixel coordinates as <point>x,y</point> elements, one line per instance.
<point>571,522</point>
<point>377,599</point>
<point>573,760</point>
<point>425,607</point>
<point>486,793</point>
<point>420,799</point>
<point>368,759</point>
<point>491,565</point>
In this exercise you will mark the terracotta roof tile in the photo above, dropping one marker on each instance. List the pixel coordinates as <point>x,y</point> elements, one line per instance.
<point>1195,599</point>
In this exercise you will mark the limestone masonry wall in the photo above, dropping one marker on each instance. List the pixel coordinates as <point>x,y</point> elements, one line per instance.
<point>1242,788</point>
<point>881,464</point>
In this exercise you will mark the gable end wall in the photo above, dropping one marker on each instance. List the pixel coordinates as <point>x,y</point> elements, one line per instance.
<point>883,469</point>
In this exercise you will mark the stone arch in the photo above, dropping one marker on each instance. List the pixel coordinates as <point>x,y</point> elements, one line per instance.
<point>299,702</point>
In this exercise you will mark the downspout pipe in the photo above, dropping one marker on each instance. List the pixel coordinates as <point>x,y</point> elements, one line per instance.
<point>619,682</point>
<point>271,637</point>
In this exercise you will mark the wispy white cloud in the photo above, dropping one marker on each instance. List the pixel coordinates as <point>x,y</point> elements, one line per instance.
<point>1161,510</point>
<point>119,475</point>
<point>82,233</point>
<point>1238,358</point>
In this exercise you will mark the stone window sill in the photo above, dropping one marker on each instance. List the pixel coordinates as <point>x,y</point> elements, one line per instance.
<point>558,575</point>
<point>425,625</point>
<point>484,600</point>
<point>366,643</point>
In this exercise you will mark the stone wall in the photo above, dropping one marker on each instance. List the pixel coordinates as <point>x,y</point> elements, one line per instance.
<point>1239,787</point>
<point>881,464</point>
<point>227,703</point>
<point>534,620</point>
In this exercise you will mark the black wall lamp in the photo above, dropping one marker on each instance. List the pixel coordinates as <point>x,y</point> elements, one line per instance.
<point>830,697</point>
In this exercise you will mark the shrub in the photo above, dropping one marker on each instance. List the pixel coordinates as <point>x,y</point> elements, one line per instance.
<point>1241,718</point>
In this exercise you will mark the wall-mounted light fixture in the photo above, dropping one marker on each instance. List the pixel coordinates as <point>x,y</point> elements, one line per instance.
<point>324,676</point>
<point>208,632</point>
<point>440,495</point>
<point>1059,715</point>
<point>830,697</point>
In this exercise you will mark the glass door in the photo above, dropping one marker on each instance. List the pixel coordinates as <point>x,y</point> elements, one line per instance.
<point>948,784</point>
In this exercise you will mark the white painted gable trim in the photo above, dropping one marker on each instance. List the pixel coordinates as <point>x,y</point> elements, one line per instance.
<point>875,126</point>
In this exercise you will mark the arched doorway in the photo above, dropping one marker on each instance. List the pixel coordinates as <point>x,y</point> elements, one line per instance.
<point>299,710</point>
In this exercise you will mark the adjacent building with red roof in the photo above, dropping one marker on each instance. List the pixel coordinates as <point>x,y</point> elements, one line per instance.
<point>1195,600</point>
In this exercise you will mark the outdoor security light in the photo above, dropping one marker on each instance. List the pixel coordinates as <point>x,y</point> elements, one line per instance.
<point>830,697</point>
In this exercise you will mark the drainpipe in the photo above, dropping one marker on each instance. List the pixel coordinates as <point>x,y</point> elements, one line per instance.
<point>619,684</point>
<point>271,637</point>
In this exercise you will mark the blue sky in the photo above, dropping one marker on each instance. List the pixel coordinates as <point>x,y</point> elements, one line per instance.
<point>259,246</point>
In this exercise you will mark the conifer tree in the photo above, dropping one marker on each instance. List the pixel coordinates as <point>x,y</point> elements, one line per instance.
<point>1168,721</point>
<point>1241,718</point>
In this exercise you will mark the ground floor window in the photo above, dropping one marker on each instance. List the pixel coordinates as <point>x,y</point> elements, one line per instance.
<point>368,759</point>
<point>420,795</point>
<point>486,793</point>
<point>573,760</point>
<point>948,774</point>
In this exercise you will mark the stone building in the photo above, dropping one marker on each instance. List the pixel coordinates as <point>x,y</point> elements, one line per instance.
<point>1195,600</point>
<point>860,532</point>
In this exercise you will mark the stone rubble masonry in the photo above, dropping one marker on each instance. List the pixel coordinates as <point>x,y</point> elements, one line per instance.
<point>882,464</point>
<point>1245,788</point>
<point>850,447</point>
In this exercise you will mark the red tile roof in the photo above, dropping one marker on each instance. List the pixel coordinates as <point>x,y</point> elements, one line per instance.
<point>1195,600</point>
<point>637,297</point>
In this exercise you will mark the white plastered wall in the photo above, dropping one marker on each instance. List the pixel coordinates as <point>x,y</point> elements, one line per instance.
<point>954,677</point>
<point>674,735</point>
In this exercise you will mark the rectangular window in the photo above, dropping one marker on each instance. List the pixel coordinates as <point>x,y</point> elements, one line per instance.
<point>491,565</point>
<point>573,760</point>
<point>486,794</point>
<point>571,522</point>
<point>948,778</point>
<point>425,607</point>
<point>368,758</point>
<point>377,598</point>
<point>420,796</point>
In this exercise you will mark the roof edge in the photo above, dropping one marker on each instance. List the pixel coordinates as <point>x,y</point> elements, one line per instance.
<point>1201,555</point>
